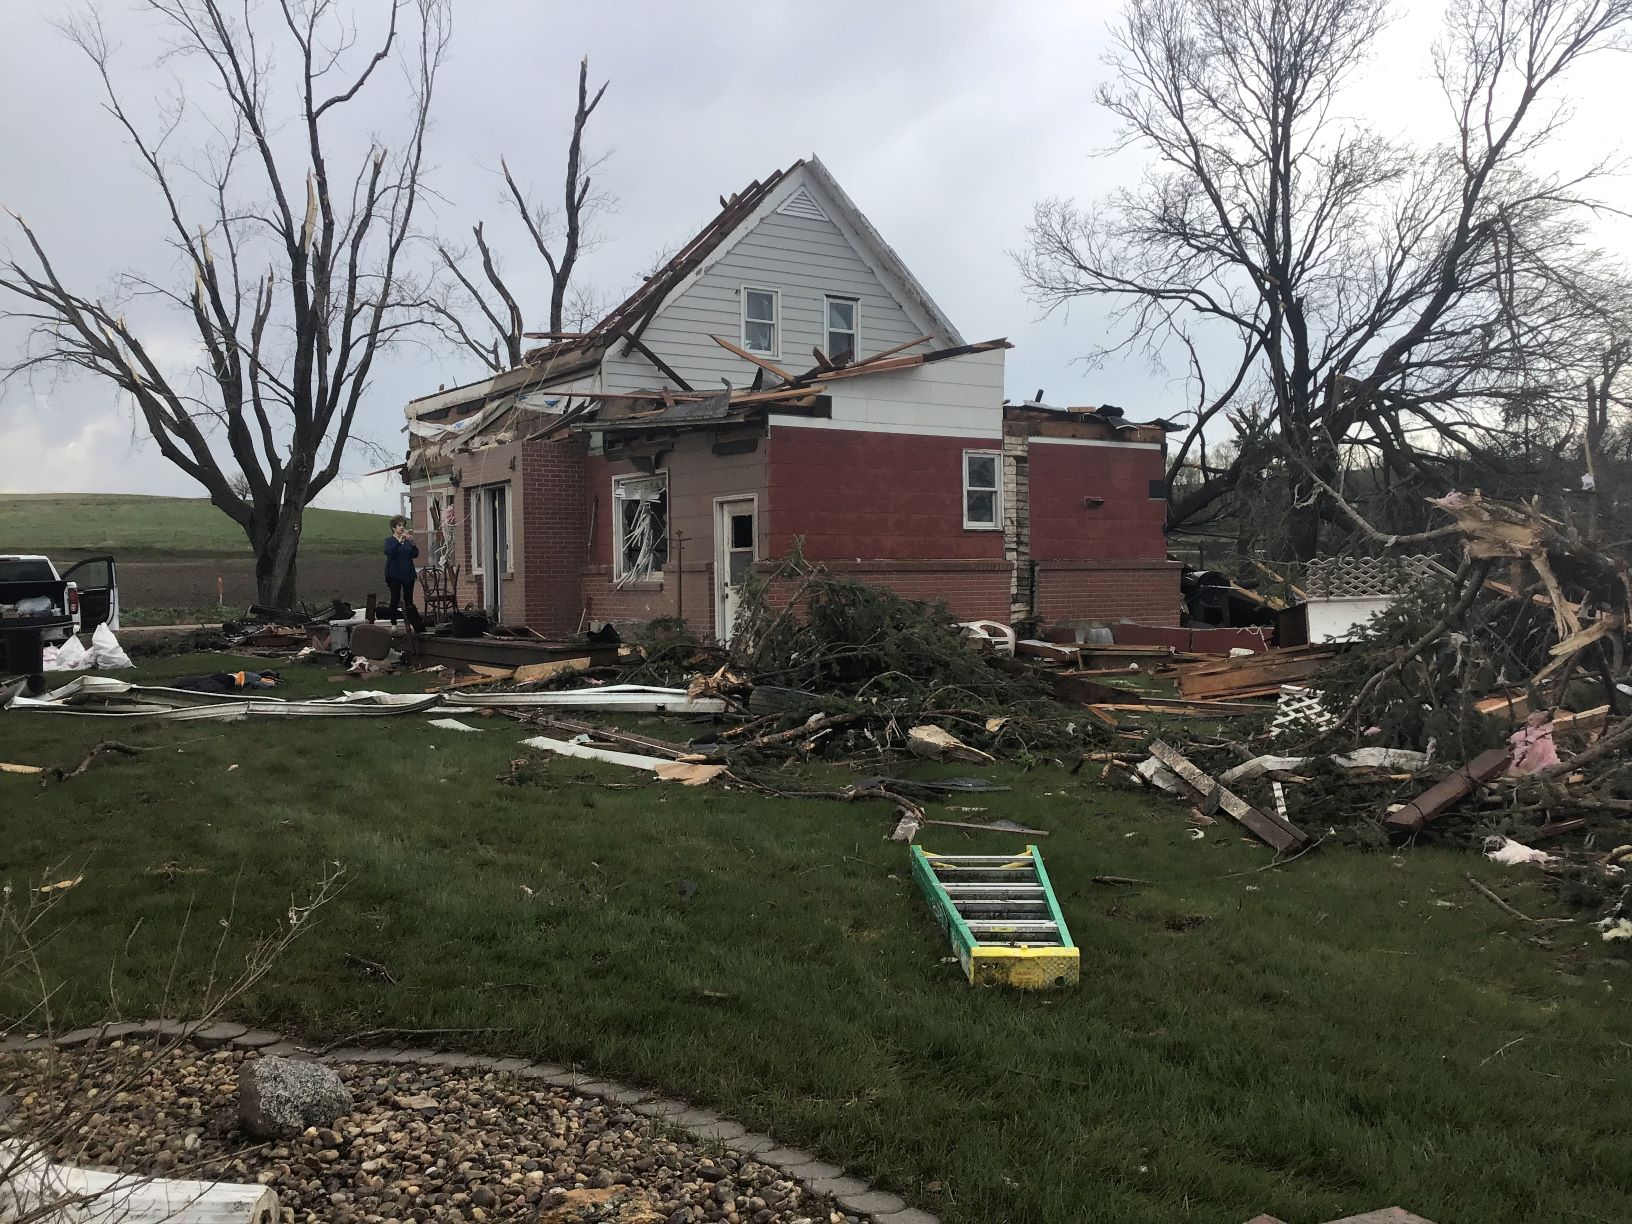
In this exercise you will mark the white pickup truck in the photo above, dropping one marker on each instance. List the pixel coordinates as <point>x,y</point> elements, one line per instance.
<point>39,606</point>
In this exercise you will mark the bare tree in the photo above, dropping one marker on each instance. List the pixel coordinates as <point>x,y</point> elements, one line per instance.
<point>481,312</point>
<point>291,269</point>
<point>1368,293</point>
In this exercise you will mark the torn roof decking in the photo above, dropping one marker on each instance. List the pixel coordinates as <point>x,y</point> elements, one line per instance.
<point>630,317</point>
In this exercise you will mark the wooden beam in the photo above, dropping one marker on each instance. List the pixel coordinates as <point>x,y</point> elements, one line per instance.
<point>822,363</point>
<point>747,356</point>
<point>1449,792</point>
<point>1281,835</point>
<point>639,345</point>
<point>877,367</point>
<point>891,352</point>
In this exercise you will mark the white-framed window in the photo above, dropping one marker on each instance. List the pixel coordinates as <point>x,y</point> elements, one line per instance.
<point>761,320</point>
<point>474,517</point>
<point>843,328</point>
<point>982,490</point>
<point>640,527</point>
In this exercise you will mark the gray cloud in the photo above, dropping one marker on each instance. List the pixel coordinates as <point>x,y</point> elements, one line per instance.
<point>945,122</point>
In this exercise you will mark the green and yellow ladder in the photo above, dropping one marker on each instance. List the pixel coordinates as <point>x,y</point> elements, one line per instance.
<point>1001,916</point>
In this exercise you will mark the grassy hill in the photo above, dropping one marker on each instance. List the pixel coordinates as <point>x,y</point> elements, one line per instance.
<point>131,526</point>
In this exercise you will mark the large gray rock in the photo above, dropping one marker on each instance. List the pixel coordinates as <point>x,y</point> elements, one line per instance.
<point>278,1098</point>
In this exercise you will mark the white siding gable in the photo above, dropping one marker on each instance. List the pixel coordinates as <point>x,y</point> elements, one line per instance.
<point>957,397</point>
<point>796,248</point>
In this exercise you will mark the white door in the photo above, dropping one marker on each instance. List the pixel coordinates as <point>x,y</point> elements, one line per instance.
<point>496,534</point>
<point>736,539</point>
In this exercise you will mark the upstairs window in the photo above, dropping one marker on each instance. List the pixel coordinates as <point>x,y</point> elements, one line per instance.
<point>759,321</point>
<point>841,328</point>
<point>982,498</point>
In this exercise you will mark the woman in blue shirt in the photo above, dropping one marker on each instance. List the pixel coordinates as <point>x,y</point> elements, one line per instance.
<point>400,551</point>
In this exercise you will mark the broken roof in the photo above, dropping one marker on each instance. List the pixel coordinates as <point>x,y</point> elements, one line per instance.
<point>629,318</point>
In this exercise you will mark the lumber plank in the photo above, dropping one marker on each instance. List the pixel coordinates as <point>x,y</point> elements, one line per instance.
<point>1259,672</point>
<point>747,356</point>
<point>891,352</point>
<point>1448,792</point>
<point>1280,835</point>
<point>529,673</point>
<point>1587,720</point>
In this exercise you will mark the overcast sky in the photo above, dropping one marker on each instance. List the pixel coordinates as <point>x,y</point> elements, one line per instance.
<point>945,120</point>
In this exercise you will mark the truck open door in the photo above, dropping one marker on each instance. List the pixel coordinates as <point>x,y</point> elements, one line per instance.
<point>97,581</point>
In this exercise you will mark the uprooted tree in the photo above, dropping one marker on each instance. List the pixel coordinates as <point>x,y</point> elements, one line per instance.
<point>290,233</point>
<point>479,312</point>
<point>1398,305</point>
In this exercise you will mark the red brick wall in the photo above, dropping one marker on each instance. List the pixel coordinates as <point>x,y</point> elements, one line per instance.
<point>971,590</point>
<point>873,496</point>
<point>552,523</point>
<point>1108,591</point>
<point>696,477</point>
<point>1129,523</point>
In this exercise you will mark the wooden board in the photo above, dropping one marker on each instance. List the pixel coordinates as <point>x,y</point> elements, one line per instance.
<point>1449,792</point>
<point>529,673</point>
<point>1260,672</point>
<point>1515,706</point>
<point>1281,835</point>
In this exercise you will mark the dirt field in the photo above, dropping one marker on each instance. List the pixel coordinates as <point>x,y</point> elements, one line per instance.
<point>192,583</point>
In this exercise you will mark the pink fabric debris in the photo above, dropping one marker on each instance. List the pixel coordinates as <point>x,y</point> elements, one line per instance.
<point>1532,745</point>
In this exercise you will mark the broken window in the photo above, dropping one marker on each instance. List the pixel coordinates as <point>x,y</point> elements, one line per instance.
<point>982,500</point>
<point>841,328</point>
<point>759,320</point>
<point>641,508</point>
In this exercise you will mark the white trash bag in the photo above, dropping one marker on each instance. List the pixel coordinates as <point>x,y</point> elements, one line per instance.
<point>106,653</point>
<point>71,656</point>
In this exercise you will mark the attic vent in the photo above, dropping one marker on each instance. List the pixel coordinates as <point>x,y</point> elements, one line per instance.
<point>802,204</point>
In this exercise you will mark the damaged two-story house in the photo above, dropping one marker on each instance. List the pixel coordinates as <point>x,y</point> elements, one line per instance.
<point>784,380</point>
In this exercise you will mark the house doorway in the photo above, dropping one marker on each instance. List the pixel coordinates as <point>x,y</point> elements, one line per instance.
<point>736,539</point>
<point>493,546</point>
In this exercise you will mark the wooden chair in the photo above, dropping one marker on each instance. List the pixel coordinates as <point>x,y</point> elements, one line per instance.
<point>438,600</point>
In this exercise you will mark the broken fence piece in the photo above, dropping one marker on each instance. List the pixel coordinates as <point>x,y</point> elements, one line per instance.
<point>1448,792</point>
<point>8,767</point>
<point>452,724</point>
<point>1002,917</point>
<point>1280,835</point>
<point>1299,710</point>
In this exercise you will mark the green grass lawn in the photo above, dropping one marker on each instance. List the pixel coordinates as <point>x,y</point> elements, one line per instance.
<point>132,618</point>
<point>69,525</point>
<point>1352,1031</point>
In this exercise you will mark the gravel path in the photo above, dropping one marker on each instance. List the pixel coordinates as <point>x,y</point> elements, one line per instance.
<point>425,1143</point>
